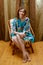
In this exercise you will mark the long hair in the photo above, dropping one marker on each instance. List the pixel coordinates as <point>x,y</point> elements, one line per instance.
<point>19,10</point>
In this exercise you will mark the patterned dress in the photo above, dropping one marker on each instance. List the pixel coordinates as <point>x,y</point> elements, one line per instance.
<point>21,26</point>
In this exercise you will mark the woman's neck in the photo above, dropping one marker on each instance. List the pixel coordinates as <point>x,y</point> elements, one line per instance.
<point>22,19</point>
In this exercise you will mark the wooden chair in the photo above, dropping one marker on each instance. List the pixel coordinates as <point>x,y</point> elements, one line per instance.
<point>27,44</point>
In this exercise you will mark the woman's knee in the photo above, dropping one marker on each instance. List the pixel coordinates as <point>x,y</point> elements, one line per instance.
<point>14,38</point>
<point>18,37</point>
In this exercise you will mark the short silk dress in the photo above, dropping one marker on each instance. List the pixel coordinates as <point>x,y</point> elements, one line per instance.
<point>21,26</point>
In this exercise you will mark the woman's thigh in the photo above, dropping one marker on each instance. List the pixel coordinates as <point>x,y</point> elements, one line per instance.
<point>15,41</point>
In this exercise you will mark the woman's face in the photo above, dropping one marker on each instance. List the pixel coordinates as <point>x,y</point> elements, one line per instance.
<point>21,14</point>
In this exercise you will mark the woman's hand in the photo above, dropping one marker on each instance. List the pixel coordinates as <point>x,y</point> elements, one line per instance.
<point>22,35</point>
<point>34,35</point>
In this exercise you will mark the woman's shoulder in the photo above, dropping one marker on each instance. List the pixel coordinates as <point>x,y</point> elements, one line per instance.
<point>13,19</point>
<point>27,19</point>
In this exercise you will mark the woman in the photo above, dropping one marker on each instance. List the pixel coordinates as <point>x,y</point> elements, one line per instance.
<point>20,32</point>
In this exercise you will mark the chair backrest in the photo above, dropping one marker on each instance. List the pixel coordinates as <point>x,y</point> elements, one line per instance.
<point>9,28</point>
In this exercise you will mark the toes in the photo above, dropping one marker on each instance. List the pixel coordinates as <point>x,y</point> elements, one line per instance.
<point>29,59</point>
<point>25,60</point>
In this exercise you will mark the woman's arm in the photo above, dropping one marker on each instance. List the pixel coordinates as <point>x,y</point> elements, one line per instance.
<point>27,26</point>
<point>32,30</point>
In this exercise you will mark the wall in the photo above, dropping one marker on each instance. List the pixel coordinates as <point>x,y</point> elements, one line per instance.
<point>10,8</point>
<point>9,12</point>
<point>33,14</point>
<point>27,6</point>
<point>34,9</point>
<point>39,19</point>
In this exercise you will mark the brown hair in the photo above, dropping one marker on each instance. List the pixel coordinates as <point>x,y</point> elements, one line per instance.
<point>19,10</point>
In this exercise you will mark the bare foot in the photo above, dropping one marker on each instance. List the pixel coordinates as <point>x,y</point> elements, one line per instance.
<point>24,58</point>
<point>28,58</point>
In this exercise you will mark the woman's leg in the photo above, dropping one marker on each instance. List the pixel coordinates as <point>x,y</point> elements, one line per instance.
<point>15,41</point>
<point>14,44</point>
<point>25,53</point>
<point>18,44</point>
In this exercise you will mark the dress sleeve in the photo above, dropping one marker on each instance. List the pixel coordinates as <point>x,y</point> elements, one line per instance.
<point>13,25</point>
<point>27,26</point>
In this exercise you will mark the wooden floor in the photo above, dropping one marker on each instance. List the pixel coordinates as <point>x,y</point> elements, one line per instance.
<point>6,57</point>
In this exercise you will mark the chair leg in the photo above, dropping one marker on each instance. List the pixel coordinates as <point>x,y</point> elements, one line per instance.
<point>10,43</point>
<point>13,49</point>
<point>31,48</point>
<point>13,52</point>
